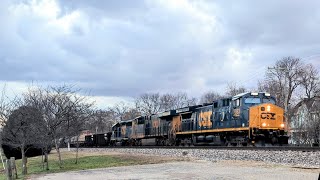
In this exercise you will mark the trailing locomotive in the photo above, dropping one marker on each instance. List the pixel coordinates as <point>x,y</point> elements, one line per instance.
<point>241,120</point>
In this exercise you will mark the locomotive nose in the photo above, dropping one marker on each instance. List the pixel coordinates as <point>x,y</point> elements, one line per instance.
<point>266,116</point>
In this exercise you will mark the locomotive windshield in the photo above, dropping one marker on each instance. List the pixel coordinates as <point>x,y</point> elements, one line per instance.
<point>252,100</point>
<point>268,100</point>
<point>258,100</point>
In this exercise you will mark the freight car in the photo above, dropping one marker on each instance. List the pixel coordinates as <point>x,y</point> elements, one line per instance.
<point>88,139</point>
<point>241,120</point>
<point>97,140</point>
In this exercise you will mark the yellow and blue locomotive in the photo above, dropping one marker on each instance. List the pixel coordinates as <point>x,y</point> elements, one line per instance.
<point>248,118</point>
<point>244,119</point>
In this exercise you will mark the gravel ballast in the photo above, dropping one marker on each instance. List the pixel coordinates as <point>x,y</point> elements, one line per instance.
<point>291,158</point>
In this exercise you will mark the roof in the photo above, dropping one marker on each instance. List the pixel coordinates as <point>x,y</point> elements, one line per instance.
<point>312,104</point>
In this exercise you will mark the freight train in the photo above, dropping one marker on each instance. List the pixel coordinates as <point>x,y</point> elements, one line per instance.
<point>247,119</point>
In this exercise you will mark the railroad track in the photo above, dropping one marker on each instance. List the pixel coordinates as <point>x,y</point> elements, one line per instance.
<point>271,148</point>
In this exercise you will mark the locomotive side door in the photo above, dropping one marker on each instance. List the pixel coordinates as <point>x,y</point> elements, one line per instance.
<point>236,112</point>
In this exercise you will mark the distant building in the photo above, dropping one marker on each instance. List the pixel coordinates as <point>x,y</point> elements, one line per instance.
<point>305,122</point>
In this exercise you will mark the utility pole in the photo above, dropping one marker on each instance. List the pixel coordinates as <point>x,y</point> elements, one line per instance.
<point>286,93</point>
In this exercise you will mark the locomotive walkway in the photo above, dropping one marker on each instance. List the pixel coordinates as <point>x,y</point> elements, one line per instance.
<point>191,170</point>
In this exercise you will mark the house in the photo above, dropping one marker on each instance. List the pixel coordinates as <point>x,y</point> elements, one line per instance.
<point>305,122</point>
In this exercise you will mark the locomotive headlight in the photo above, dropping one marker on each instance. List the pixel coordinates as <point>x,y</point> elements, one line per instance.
<point>264,124</point>
<point>268,108</point>
<point>282,125</point>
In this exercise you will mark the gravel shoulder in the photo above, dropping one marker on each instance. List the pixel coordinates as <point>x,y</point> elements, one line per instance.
<point>195,169</point>
<point>203,164</point>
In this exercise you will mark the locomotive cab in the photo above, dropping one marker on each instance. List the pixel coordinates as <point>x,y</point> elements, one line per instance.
<point>264,119</point>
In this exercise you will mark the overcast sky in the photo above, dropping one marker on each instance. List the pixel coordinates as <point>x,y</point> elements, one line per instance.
<point>118,49</point>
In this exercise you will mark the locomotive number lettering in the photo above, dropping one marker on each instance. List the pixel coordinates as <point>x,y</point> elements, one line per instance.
<point>271,116</point>
<point>236,112</point>
<point>123,130</point>
<point>156,124</point>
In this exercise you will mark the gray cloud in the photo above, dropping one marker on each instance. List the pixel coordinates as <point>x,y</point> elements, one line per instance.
<point>126,48</point>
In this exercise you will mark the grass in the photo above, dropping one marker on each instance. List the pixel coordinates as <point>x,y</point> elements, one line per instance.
<point>85,161</point>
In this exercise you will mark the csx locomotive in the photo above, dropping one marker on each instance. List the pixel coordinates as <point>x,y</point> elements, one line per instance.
<point>241,120</point>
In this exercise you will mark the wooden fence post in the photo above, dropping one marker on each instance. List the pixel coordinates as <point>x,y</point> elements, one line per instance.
<point>8,170</point>
<point>2,159</point>
<point>13,168</point>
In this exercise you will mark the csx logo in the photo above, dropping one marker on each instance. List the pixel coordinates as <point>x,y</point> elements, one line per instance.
<point>271,116</point>
<point>204,119</point>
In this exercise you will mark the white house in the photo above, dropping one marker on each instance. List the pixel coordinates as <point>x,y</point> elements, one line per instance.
<point>305,122</point>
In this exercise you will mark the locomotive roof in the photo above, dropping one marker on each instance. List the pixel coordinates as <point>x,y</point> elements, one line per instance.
<point>249,93</point>
<point>239,95</point>
<point>115,124</point>
<point>126,121</point>
<point>167,113</point>
<point>122,122</point>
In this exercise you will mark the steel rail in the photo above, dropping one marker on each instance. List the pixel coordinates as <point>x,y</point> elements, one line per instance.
<point>252,148</point>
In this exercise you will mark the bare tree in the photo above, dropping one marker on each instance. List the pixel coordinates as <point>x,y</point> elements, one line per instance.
<point>233,89</point>
<point>152,103</point>
<point>288,80</point>
<point>167,101</point>
<point>209,97</point>
<point>273,88</point>
<point>131,113</point>
<point>102,121</point>
<point>175,101</point>
<point>182,100</point>
<point>78,114</point>
<point>120,109</point>
<point>4,111</point>
<point>97,122</point>
<point>20,131</point>
<point>287,75</point>
<point>192,101</point>
<point>148,103</point>
<point>37,98</point>
<point>61,106</point>
<point>310,81</point>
